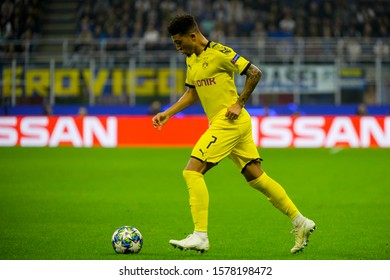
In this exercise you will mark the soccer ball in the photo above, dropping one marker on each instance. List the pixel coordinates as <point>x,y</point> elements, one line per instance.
<point>127,240</point>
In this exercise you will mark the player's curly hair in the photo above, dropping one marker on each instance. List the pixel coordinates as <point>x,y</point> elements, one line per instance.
<point>182,24</point>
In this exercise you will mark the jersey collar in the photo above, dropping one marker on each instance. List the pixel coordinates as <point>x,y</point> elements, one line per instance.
<point>208,45</point>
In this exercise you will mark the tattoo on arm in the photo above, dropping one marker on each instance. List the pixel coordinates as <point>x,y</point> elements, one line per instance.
<point>253,76</point>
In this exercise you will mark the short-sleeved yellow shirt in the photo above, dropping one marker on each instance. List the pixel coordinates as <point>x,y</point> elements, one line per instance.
<point>212,74</point>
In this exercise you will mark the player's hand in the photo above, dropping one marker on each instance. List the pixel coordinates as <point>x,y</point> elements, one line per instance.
<point>159,120</point>
<point>233,111</point>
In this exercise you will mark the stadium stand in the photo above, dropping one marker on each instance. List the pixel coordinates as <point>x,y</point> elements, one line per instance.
<point>105,19</point>
<point>20,21</point>
<point>237,18</point>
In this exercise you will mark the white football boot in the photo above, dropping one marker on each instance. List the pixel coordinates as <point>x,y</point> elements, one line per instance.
<point>302,230</point>
<point>192,242</point>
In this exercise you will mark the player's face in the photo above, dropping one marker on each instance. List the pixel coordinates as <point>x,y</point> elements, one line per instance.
<point>184,44</point>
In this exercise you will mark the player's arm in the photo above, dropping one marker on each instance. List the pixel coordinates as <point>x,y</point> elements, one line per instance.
<point>189,97</point>
<point>253,76</point>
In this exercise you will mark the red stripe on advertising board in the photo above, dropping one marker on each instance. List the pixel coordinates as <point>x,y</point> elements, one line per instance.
<point>110,131</point>
<point>139,131</point>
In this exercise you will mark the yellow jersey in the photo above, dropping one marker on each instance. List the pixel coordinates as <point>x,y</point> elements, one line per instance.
<point>212,74</point>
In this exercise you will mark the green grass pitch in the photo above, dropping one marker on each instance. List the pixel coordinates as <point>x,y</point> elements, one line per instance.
<point>65,203</point>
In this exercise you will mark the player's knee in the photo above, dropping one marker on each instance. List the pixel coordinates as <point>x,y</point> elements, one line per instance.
<point>252,171</point>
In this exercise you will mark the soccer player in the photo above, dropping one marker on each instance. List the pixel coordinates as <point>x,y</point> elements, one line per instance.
<point>210,80</point>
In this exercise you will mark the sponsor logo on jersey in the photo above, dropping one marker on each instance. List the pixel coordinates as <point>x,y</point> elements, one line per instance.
<point>206,82</point>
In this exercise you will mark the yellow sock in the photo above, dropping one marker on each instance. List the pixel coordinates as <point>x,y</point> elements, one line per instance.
<point>275,194</point>
<point>199,199</point>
